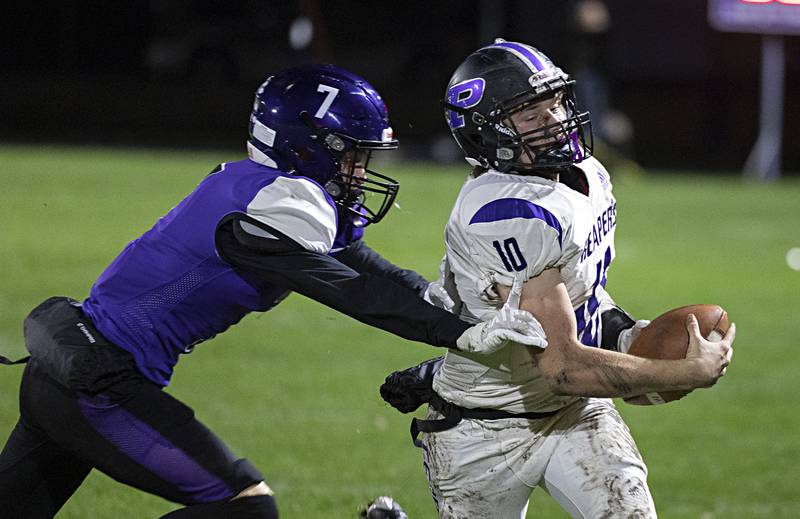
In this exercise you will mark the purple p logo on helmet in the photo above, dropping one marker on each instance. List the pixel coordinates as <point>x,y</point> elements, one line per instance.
<point>464,95</point>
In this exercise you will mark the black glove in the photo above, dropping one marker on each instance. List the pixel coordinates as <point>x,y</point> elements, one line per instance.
<point>408,389</point>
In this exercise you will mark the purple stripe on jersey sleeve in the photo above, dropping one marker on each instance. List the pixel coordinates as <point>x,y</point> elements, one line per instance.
<point>509,208</point>
<point>147,447</point>
<point>525,51</point>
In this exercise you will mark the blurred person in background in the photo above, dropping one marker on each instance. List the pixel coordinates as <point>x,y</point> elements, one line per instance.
<point>589,52</point>
<point>537,214</point>
<point>591,22</point>
<point>290,217</point>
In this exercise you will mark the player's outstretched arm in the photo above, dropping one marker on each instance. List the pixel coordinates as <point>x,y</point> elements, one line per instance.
<point>571,368</point>
<point>362,258</point>
<point>371,299</point>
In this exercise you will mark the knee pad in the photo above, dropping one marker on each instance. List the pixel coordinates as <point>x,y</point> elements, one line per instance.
<point>253,507</point>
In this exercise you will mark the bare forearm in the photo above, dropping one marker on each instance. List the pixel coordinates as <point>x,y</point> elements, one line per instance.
<point>574,369</point>
<point>570,368</point>
<point>584,371</point>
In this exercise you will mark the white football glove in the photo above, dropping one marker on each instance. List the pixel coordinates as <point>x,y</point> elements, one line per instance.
<point>626,337</point>
<point>510,324</point>
<point>436,295</point>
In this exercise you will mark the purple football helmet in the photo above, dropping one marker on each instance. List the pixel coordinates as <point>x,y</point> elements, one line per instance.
<point>498,81</point>
<point>314,121</point>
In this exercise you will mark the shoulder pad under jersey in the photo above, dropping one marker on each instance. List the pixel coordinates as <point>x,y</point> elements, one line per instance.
<point>298,208</point>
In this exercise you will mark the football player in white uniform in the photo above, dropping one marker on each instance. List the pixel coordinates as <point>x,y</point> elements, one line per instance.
<point>538,209</point>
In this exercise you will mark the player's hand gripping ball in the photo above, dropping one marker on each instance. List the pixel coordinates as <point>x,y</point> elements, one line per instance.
<point>666,337</point>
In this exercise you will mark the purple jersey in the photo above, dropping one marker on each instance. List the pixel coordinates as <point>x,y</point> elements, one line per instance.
<point>169,290</point>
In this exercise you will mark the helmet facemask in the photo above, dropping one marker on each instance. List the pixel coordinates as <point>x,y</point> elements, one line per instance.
<point>358,191</point>
<point>563,140</point>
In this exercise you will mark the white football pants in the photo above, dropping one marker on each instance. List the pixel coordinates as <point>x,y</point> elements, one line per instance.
<point>584,457</point>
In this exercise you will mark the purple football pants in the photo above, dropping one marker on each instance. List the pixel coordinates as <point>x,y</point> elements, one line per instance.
<point>135,433</point>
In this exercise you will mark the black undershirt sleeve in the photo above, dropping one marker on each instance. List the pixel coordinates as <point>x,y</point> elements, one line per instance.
<point>369,298</point>
<point>615,321</point>
<point>361,258</point>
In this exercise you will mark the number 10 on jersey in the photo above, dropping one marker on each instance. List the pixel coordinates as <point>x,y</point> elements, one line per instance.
<point>510,254</point>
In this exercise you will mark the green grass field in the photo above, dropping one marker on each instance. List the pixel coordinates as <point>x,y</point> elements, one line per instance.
<point>295,390</point>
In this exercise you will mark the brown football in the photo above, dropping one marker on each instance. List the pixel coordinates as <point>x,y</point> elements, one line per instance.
<point>666,338</point>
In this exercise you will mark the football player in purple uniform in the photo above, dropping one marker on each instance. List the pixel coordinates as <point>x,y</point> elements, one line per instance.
<point>290,217</point>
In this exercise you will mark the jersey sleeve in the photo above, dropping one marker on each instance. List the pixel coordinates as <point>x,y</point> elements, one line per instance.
<point>367,297</point>
<point>361,258</point>
<point>511,236</point>
<point>296,208</point>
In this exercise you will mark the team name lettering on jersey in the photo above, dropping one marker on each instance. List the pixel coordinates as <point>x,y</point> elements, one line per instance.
<point>604,223</point>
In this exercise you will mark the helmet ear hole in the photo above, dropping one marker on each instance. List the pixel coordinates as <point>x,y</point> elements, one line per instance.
<point>478,119</point>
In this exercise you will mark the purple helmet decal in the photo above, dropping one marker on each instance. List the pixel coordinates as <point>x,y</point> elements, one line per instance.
<point>527,54</point>
<point>464,95</point>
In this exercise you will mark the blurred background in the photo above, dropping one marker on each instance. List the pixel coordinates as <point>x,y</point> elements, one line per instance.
<point>664,87</point>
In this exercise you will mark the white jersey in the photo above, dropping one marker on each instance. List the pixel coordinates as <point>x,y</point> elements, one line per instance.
<point>503,225</point>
